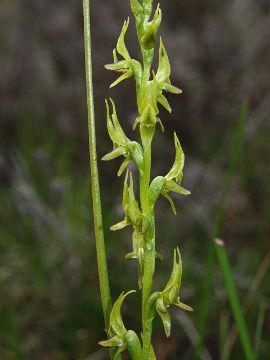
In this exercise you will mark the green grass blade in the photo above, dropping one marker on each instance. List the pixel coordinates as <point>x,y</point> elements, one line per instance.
<point>233,299</point>
<point>211,260</point>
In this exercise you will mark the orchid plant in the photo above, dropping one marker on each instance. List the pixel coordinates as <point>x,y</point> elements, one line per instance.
<point>139,213</point>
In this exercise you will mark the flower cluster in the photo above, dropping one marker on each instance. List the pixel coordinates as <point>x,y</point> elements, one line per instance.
<point>151,87</point>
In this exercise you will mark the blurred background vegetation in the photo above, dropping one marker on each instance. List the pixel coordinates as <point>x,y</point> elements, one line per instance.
<point>49,303</point>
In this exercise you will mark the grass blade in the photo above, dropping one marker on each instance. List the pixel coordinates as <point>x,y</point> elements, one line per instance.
<point>211,260</point>
<point>233,298</point>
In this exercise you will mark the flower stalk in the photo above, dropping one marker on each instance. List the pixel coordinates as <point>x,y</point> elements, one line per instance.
<point>151,87</point>
<point>97,213</point>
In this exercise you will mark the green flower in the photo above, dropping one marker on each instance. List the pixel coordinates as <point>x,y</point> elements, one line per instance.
<point>133,215</point>
<point>170,295</point>
<point>119,337</point>
<point>152,92</point>
<point>161,185</point>
<point>128,67</point>
<point>131,150</point>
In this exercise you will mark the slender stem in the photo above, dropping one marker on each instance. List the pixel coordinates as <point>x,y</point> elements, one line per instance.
<point>149,238</point>
<point>97,213</point>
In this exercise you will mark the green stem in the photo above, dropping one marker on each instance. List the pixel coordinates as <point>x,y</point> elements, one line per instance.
<point>97,213</point>
<point>148,325</point>
<point>149,237</point>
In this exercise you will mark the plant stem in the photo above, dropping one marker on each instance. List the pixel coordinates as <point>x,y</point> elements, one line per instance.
<point>97,213</point>
<point>148,228</point>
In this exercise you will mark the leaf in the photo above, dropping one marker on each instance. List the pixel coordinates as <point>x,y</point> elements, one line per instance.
<point>179,161</point>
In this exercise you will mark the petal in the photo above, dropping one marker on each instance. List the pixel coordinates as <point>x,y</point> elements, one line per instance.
<point>171,185</point>
<point>114,154</point>
<point>165,317</point>
<point>127,74</point>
